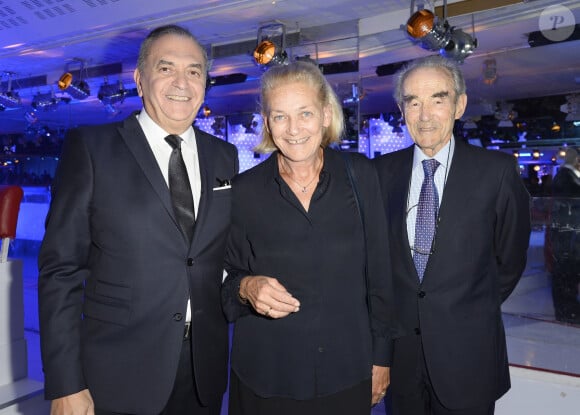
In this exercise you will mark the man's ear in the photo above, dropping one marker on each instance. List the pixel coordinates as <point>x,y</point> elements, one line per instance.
<point>137,78</point>
<point>460,106</point>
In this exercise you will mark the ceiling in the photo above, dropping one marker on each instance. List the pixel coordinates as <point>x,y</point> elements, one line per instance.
<point>99,40</point>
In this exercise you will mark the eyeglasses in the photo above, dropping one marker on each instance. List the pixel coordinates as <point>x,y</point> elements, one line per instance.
<point>431,250</point>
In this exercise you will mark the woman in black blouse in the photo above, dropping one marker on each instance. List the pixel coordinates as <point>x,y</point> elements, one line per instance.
<point>311,333</point>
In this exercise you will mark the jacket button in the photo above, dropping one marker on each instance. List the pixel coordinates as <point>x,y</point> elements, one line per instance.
<point>189,262</point>
<point>417,331</point>
<point>178,317</point>
<point>421,294</point>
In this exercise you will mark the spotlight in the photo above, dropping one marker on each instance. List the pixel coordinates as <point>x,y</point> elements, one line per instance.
<point>555,127</point>
<point>460,46</point>
<point>206,111</point>
<point>424,27</point>
<point>536,168</point>
<point>516,154</point>
<point>9,99</point>
<point>47,101</point>
<point>111,94</point>
<point>271,46</point>
<point>78,90</point>
<point>489,71</point>
<point>562,153</point>
<point>536,154</point>
<point>267,53</point>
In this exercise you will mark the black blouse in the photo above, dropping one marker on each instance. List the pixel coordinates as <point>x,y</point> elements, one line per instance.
<point>333,341</point>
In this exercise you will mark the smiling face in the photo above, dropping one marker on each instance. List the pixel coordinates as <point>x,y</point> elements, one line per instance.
<point>430,108</point>
<point>296,120</point>
<point>172,82</point>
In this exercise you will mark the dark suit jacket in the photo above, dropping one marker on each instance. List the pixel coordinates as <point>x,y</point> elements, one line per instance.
<point>116,273</point>
<point>480,254</point>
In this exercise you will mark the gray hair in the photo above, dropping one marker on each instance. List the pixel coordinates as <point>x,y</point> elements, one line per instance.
<point>161,31</point>
<point>432,61</point>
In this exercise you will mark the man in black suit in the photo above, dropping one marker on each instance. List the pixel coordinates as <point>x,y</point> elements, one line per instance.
<point>459,226</point>
<point>130,315</point>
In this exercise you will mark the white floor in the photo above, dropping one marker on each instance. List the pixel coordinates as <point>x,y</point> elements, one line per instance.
<point>535,339</point>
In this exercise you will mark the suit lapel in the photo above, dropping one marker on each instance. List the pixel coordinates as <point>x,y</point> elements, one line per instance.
<point>207,178</point>
<point>456,182</point>
<point>136,141</point>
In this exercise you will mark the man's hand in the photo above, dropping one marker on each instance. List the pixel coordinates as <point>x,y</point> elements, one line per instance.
<point>268,296</point>
<point>381,380</point>
<point>80,403</point>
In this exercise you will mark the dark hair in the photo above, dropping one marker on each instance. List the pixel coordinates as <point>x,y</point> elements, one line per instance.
<point>309,74</point>
<point>432,61</point>
<point>164,31</point>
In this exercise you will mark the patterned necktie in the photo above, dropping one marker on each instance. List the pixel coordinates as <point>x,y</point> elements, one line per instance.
<point>426,218</point>
<point>180,188</point>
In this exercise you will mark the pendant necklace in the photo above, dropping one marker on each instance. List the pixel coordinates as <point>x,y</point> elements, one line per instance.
<point>303,188</point>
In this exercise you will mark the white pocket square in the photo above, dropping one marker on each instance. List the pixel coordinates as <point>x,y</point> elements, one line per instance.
<point>227,186</point>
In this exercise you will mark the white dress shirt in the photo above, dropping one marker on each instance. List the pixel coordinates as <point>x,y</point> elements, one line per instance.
<point>444,157</point>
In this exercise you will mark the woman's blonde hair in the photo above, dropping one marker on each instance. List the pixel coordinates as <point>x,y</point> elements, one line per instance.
<point>309,74</point>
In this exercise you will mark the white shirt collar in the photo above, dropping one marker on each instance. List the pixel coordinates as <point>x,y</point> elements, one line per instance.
<point>152,129</point>
<point>443,156</point>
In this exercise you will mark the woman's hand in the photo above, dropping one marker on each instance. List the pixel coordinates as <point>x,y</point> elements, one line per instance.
<point>268,296</point>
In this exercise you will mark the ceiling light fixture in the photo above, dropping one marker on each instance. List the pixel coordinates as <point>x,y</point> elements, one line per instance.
<point>48,101</point>
<point>78,89</point>
<point>111,94</point>
<point>271,43</point>
<point>437,35</point>
<point>489,71</point>
<point>9,99</point>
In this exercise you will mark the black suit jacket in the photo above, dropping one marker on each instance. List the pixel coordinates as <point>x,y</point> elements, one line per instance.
<point>480,254</point>
<point>116,273</point>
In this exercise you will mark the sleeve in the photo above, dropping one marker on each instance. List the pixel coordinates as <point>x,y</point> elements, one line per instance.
<point>237,252</point>
<point>378,263</point>
<point>512,231</point>
<point>63,269</point>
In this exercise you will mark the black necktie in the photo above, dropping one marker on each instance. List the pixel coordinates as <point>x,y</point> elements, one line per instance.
<point>180,188</point>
